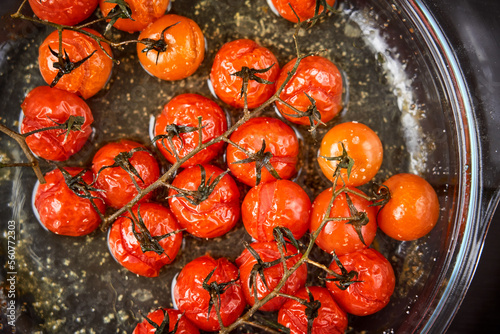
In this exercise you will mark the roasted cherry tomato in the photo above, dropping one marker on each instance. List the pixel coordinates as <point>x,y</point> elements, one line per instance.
<point>316,78</point>
<point>206,214</point>
<point>64,212</point>
<point>372,287</point>
<point>269,252</point>
<point>175,318</point>
<point>179,122</point>
<point>143,13</point>
<point>259,136</point>
<point>276,203</point>
<point>88,77</point>
<point>303,8</point>
<point>231,59</point>
<point>362,145</point>
<point>195,284</point>
<point>413,209</point>
<point>46,107</point>
<point>150,220</point>
<point>329,319</point>
<point>176,49</point>
<point>67,12</point>
<point>343,236</point>
<point>119,182</point>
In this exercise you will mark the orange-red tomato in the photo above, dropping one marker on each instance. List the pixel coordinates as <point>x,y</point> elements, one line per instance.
<point>276,203</point>
<point>413,209</point>
<point>231,58</point>
<point>316,77</point>
<point>376,282</point>
<point>181,114</point>
<point>175,318</point>
<point>88,78</point>
<point>143,13</point>
<point>44,107</point>
<point>362,145</point>
<point>303,8</point>
<point>64,212</point>
<point>341,236</point>
<point>67,12</point>
<point>179,52</point>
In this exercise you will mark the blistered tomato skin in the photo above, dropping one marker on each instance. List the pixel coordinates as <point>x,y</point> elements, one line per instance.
<point>62,211</point>
<point>184,51</point>
<point>413,209</point>
<point>377,282</point>
<point>183,111</point>
<point>184,326</point>
<point>192,299</point>
<point>303,8</point>
<point>339,236</point>
<point>87,79</point>
<point>66,12</point>
<point>268,252</point>
<point>231,58</point>
<point>331,319</point>
<point>317,77</point>
<point>276,203</point>
<point>214,216</point>
<point>125,248</point>
<point>42,107</point>
<point>117,185</point>
<point>280,140</point>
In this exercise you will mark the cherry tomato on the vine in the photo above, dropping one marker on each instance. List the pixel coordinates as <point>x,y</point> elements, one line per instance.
<point>66,12</point>
<point>175,318</point>
<point>303,8</point>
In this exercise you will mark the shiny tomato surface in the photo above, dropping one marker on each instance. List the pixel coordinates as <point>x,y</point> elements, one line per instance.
<point>61,210</point>
<point>304,9</point>
<point>181,115</point>
<point>280,140</point>
<point>88,78</point>
<point>376,285</point>
<point>175,318</point>
<point>183,52</point>
<point>330,319</point>
<point>276,203</point>
<point>119,189</point>
<point>66,12</point>
<point>44,107</point>
<point>127,251</point>
<point>230,59</point>
<point>217,213</point>
<point>413,209</point>
<point>192,299</point>
<point>268,252</point>
<point>316,77</point>
<point>341,236</point>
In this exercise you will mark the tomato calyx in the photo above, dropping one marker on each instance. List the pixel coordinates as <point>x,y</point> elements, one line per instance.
<point>381,195</point>
<point>344,161</point>
<point>247,74</point>
<point>311,311</point>
<point>216,290</point>
<point>358,218</point>
<point>64,65</point>
<point>158,45</point>
<point>345,278</point>
<point>121,10</point>
<point>175,130</point>
<point>312,113</point>
<point>165,324</point>
<point>279,233</point>
<point>73,123</point>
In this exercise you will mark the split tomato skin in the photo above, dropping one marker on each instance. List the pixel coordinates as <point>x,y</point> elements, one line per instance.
<point>317,77</point>
<point>63,212</point>
<point>184,326</point>
<point>87,79</point>
<point>42,107</point>
<point>192,299</point>
<point>66,12</point>
<point>184,110</point>
<point>231,58</point>
<point>126,250</point>
<point>303,8</point>
<point>377,282</point>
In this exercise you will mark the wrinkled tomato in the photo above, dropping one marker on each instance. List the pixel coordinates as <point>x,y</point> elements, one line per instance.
<point>304,9</point>
<point>174,318</point>
<point>66,12</point>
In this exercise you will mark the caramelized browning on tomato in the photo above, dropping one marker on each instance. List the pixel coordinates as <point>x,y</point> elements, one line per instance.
<point>66,12</point>
<point>304,9</point>
<point>175,318</point>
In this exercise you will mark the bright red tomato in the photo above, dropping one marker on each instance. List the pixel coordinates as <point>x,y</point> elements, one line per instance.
<point>303,8</point>
<point>210,215</point>
<point>330,319</point>
<point>180,117</point>
<point>230,59</point>
<point>119,189</point>
<point>127,250</point>
<point>413,209</point>
<point>276,203</point>
<point>362,145</point>
<point>88,78</point>
<point>316,77</point>
<point>66,12</point>
<point>341,236</point>
<point>192,299</point>
<point>175,318</point>
<point>268,252</point>
<point>179,50</point>
<point>45,107</point>
<point>376,282</point>
<point>280,140</point>
<point>62,211</point>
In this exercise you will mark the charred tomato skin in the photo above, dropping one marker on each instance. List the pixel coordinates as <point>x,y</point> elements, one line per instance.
<point>184,326</point>
<point>303,8</point>
<point>66,12</point>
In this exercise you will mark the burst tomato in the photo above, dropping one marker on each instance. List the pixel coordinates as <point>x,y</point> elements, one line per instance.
<point>66,12</point>
<point>303,8</point>
<point>175,318</point>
